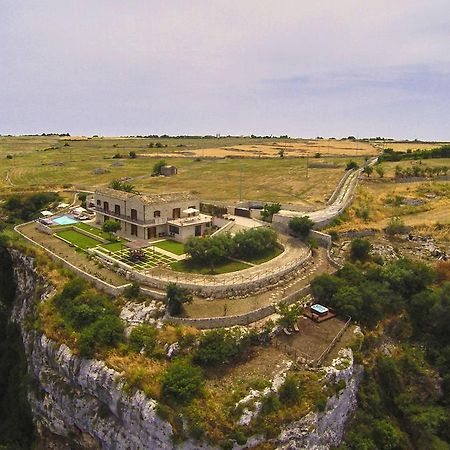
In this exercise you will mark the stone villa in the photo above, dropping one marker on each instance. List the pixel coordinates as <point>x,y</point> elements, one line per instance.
<point>150,216</point>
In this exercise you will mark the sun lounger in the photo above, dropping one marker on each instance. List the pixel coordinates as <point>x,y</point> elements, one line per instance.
<point>296,328</point>
<point>286,332</point>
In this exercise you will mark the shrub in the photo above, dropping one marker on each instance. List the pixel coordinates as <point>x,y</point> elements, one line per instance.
<point>182,382</point>
<point>132,291</point>
<point>176,296</point>
<point>158,165</point>
<point>217,347</point>
<point>106,332</point>
<point>270,404</point>
<point>289,391</point>
<point>395,226</point>
<point>143,337</point>
<point>132,154</point>
<point>301,225</point>
<point>351,165</point>
<point>360,249</point>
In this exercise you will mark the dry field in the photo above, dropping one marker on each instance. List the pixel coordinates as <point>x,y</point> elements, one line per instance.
<point>326,147</point>
<point>405,146</point>
<point>378,201</point>
<point>38,163</point>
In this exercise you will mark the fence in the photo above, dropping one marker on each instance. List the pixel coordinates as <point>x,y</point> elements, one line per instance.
<point>330,347</point>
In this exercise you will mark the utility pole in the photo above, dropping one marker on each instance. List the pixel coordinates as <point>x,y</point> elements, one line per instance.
<point>240,185</point>
<point>307,165</point>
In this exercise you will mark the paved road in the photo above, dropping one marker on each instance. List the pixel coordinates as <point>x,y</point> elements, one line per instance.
<point>342,200</point>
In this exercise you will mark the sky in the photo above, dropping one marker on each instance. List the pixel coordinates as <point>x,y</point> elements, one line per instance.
<point>296,67</point>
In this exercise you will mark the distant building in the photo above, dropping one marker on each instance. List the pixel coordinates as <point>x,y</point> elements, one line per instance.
<point>149,216</point>
<point>168,171</point>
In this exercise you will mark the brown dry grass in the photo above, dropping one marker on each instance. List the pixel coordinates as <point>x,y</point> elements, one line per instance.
<point>374,197</point>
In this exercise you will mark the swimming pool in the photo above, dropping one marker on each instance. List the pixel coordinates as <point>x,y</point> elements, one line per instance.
<point>64,220</point>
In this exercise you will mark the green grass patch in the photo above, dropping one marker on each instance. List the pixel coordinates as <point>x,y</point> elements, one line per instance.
<point>225,267</point>
<point>93,230</point>
<point>113,246</point>
<point>78,239</point>
<point>174,247</point>
<point>267,256</point>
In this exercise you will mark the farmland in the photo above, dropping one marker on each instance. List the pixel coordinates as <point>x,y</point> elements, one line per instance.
<point>34,163</point>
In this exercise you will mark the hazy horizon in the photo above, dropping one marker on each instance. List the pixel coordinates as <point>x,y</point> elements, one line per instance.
<point>304,69</point>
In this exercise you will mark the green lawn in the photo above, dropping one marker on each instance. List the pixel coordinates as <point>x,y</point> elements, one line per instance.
<point>265,257</point>
<point>93,230</point>
<point>78,239</point>
<point>113,246</point>
<point>224,267</point>
<point>171,246</point>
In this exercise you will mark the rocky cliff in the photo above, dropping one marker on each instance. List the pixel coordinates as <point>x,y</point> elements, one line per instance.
<point>80,403</point>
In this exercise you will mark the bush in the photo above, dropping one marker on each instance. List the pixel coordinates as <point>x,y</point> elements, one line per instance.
<point>132,291</point>
<point>143,337</point>
<point>360,249</point>
<point>182,382</point>
<point>395,226</point>
<point>176,296</point>
<point>351,165</point>
<point>217,347</point>
<point>132,154</point>
<point>301,225</point>
<point>289,391</point>
<point>270,404</point>
<point>106,332</point>
<point>158,165</point>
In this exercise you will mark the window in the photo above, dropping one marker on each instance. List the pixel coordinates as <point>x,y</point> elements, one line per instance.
<point>117,209</point>
<point>176,213</point>
<point>174,230</point>
<point>157,214</point>
<point>99,202</point>
<point>106,206</point>
<point>134,230</point>
<point>133,214</point>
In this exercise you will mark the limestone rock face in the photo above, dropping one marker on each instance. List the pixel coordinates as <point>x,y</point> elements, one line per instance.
<point>81,399</point>
<point>82,404</point>
<point>320,431</point>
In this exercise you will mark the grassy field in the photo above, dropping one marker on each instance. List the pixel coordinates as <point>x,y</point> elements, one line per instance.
<point>171,246</point>
<point>264,258</point>
<point>78,239</point>
<point>52,163</point>
<point>225,267</point>
<point>389,167</point>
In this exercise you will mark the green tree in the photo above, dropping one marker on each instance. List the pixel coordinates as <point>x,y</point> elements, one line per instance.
<point>176,296</point>
<point>281,153</point>
<point>269,210</point>
<point>368,170</point>
<point>351,165</point>
<point>289,314</point>
<point>111,226</point>
<point>380,171</point>
<point>182,382</point>
<point>301,225</point>
<point>132,154</point>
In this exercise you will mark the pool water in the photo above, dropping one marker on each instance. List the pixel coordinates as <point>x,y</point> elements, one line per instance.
<point>319,308</point>
<point>65,220</point>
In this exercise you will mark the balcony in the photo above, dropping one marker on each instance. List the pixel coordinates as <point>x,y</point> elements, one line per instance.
<point>109,213</point>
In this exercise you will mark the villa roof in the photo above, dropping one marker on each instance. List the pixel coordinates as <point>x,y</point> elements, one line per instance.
<point>148,199</point>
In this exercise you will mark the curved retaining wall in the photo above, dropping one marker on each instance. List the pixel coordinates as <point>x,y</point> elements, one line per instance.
<point>211,287</point>
<point>206,323</point>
